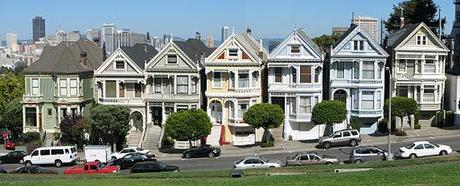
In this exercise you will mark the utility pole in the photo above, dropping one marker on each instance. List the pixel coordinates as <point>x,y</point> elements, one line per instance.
<point>390,155</point>
<point>440,24</point>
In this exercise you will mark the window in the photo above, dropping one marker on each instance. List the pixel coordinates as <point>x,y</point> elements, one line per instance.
<point>73,87</point>
<point>379,73</point>
<point>354,133</point>
<point>340,73</point>
<point>243,107</point>
<point>419,147</point>
<point>57,151</point>
<point>50,112</point>
<point>45,152</point>
<point>35,86</point>
<point>278,74</point>
<point>358,45</point>
<point>121,90</point>
<point>305,104</point>
<point>233,52</point>
<point>119,65</point>
<point>418,64</point>
<point>355,70</point>
<point>35,153</point>
<point>421,40</point>
<point>368,70</point>
<point>31,116</point>
<point>63,87</point>
<point>305,74</point>
<point>361,45</point>
<point>355,45</point>
<point>63,112</point>
<point>243,79</point>
<point>429,66</point>
<point>194,85</point>
<point>295,49</point>
<point>73,112</point>
<point>67,151</point>
<point>428,146</point>
<point>110,89</point>
<point>217,80</point>
<point>255,79</point>
<point>346,134</point>
<point>314,157</point>
<point>292,105</point>
<point>137,90</point>
<point>294,75</point>
<point>402,65</point>
<point>172,58</point>
<point>378,94</point>
<point>428,93</point>
<point>304,157</point>
<point>182,84</point>
<point>231,110</point>
<point>157,82</point>
<point>367,101</point>
<point>317,74</point>
<point>355,97</point>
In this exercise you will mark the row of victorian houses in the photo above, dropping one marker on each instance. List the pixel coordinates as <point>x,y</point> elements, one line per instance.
<point>227,80</point>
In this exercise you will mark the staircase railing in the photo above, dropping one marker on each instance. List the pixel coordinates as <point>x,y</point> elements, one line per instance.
<point>144,133</point>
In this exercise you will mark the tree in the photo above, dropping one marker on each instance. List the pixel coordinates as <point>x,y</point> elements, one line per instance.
<point>12,117</point>
<point>188,125</point>
<point>401,107</point>
<point>415,11</point>
<point>266,116</point>
<point>11,91</point>
<point>329,112</point>
<point>73,130</point>
<point>325,41</point>
<point>109,124</point>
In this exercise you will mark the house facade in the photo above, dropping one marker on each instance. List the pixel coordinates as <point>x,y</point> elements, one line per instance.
<point>357,77</point>
<point>234,83</point>
<point>418,67</point>
<point>120,81</point>
<point>59,84</point>
<point>295,76</point>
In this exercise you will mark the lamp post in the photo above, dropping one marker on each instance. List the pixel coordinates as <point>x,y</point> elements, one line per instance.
<point>390,155</point>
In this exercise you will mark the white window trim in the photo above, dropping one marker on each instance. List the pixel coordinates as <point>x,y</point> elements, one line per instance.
<point>115,65</point>
<point>295,45</point>
<point>422,38</point>
<point>167,59</point>
<point>32,86</point>
<point>220,79</point>
<point>238,53</point>
<point>67,87</point>
<point>77,87</point>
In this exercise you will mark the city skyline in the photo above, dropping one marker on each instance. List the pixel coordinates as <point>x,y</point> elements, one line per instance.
<point>286,16</point>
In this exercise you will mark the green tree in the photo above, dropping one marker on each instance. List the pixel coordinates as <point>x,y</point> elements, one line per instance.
<point>401,107</point>
<point>188,125</point>
<point>73,130</point>
<point>109,124</point>
<point>325,41</point>
<point>12,117</point>
<point>329,112</point>
<point>266,116</point>
<point>415,11</point>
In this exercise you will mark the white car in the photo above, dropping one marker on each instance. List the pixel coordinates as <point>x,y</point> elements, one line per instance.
<point>128,150</point>
<point>424,148</point>
<point>256,162</point>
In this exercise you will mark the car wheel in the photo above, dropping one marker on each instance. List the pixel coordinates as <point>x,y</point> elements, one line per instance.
<point>187,155</point>
<point>358,162</point>
<point>211,155</point>
<point>329,163</point>
<point>58,163</point>
<point>412,156</point>
<point>28,163</point>
<point>353,143</point>
<point>272,167</point>
<point>443,152</point>
<point>327,145</point>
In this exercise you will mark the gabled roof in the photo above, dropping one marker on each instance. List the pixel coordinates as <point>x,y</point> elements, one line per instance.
<point>397,37</point>
<point>65,58</point>
<point>344,35</point>
<point>304,37</point>
<point>194,48</point>
<point>349,35</point>
<point>140,53</point>
<point>248,41</point>
<point>244,41</point>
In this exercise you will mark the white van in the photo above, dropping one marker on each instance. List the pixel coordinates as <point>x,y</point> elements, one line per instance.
<point>57,155</point>
<point>99,153</point>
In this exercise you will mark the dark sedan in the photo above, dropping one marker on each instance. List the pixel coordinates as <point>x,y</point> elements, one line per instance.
<point>153,166</point>
<point>33,169</point>
<point>129,160</point>
<point>12,157</point>
<point>202,151</point>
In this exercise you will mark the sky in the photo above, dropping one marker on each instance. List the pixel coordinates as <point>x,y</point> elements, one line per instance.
<point>182,18</point>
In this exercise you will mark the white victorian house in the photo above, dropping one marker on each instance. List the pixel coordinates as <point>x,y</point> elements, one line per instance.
<point>120,81</point>
<point>357,76</point>
<point>418,67</point>
<point>234,84</point>
<point>295,71</point>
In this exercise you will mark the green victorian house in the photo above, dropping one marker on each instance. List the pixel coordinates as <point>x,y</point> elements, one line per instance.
<point>58,84</point>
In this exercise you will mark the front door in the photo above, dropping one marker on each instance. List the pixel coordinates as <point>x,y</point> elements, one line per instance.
<point>279,101</point>
<point>157,115</point>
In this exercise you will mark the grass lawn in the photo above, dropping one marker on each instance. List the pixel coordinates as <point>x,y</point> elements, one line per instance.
<point>427,171</point>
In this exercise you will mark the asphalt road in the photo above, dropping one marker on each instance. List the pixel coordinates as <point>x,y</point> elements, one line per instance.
<point>227,162</point>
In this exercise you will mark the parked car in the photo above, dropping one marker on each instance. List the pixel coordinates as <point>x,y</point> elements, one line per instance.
<point>153,166</point>
<point>2,171</point>
<point>424,148</point>
<point>340,138</point>
<point>256,162</point>
<point>202,151</point>
<point>99,153</point>
<point>92,168</point>
<point>12,157</point>
<point>128,150</point>
<point>129,160</point>
<point>33,169</point>
<point>365,154</point>
<point>10,145</point>
<point>57,155</point>
<point>309,159</point>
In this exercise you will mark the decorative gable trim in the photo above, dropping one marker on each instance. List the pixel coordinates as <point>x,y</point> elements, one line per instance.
<point>117,54</point>
<point>300,41</point>
<point>414,32</point>
<point>358,30</point>
<point>221,51</point>
<point>170,47</point>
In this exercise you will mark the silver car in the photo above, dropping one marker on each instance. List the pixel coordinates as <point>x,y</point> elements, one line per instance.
<point>340,138</point>
<point>365,154</point>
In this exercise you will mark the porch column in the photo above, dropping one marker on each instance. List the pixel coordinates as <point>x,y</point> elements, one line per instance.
<point>163,113</point>
<point>360,97</point>
<point>103,89</point>
<point>148,114</point>
<point>421,92</point>
<point>236,79</point>
<point>360,72</point>
<point>23,116</point>
<point>118,89</point>
<point>236,109</point>
<point>175,84</point>
<point>250,78</point>
<point>189,84</point>
<point>422,66</point>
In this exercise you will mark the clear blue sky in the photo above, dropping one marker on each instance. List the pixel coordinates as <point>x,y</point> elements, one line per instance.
<point>267,18</point>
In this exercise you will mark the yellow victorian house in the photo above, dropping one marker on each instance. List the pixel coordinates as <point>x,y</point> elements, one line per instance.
<point>234,83</point>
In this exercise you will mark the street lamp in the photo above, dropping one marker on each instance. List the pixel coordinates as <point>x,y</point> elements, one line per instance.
<point>389,156</point>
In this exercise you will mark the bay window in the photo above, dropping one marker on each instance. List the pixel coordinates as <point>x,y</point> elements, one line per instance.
<point>340,70</point>
<point>278,74</point>
<point>63,87</point>
<point>73,87</point>
<point>305,74</point>
<point>368,70</point>
<point>182,84</point>
<point>243,79</point>
<point>367,101</point>
<point>110,89</point>
<point>35,86</point>
<point>305,104</point>
<point>217,80</point>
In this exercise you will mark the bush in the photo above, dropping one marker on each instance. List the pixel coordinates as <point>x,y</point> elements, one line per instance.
<point>32,146</point>
<point>355,123</point>
<point>167,142</point>
<point>268,144</point>
<point>29,137</point>
<point>439,120</point>
<point>382,127</point>
<point>400,133</point>
<point>417,126</point>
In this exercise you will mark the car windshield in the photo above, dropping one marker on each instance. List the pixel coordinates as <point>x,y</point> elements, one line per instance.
<point>410,146</point>
<point>239,161</point>
<point>264,159</point>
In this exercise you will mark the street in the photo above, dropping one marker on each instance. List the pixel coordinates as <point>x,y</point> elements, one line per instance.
<point>225,162</point>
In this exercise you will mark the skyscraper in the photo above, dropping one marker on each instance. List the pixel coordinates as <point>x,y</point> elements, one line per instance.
<point>73,36</point>
<point>12,41</point>
<point>61,36</point>
<point>167,38</point>
<point>210,42</point>
<point>38,26</point>
<point>94,35</point>
<point>108,37</point>
<point>456,33</point>
<point>369,24</point>
<point>225,33</point>
<point>123,38</point>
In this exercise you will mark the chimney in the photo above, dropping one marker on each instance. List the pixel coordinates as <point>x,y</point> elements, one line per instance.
<point>248,31</point>
<point>401,18</point>
<point>197,35</point>
<point>83,58</point>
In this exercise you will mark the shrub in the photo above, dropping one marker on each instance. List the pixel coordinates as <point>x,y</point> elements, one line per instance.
<point>268,144</point>
<point>382,126</point>
<point>355,123</point>
<point>265,116</point>
<point>400,133</point>
<point>439,120</point>
<point>29,137</point>
<point>417,126</point>
<point>32,146</point>
<point>167,142</point>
